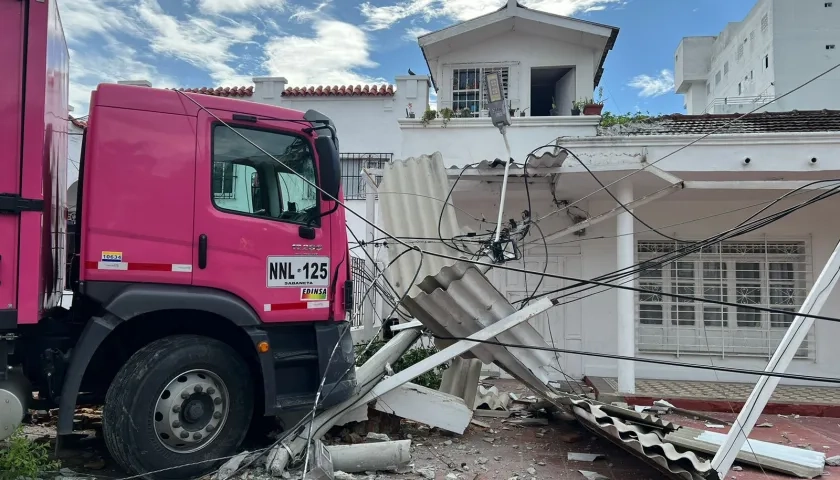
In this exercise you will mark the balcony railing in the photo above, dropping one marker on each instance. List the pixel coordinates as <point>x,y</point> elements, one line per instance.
<point>725,105</point>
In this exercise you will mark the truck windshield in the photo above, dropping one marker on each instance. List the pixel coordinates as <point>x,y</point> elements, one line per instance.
<point>248,181</point>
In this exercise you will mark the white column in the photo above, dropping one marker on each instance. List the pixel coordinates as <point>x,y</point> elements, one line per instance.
<point>370,237</point>
<point>625,301</point>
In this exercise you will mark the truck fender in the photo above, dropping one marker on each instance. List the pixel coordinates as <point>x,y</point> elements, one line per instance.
<point>139,299</point>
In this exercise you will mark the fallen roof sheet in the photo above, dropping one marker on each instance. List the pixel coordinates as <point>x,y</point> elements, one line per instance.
<point>798,462</point>
<point>645,443</point>
<point>412,194</point>
<point>459,301</point>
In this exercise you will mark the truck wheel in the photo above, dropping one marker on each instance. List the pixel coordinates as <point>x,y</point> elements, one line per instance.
<point>178,407</point>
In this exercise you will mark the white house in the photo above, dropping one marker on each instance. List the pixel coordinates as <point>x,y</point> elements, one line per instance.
<point>686,177</point>
<point>779,45</point>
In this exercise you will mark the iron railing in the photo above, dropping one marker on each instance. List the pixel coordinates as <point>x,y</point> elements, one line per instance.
<point>352,164</point>
<point>361,283</point>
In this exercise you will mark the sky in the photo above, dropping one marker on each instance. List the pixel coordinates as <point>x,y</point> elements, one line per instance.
<point>198,43</point>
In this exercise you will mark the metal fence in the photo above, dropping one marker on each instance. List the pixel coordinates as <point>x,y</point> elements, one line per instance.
<point>352,164</point>
<point>361,282</point>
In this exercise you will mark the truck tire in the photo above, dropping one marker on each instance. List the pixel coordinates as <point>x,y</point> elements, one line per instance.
<point>178,407</point>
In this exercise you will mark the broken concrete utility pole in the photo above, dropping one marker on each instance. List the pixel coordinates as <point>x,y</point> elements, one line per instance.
<point>798,329</point>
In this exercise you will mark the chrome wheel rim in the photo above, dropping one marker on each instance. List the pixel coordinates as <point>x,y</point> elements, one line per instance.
<point>191,411</point>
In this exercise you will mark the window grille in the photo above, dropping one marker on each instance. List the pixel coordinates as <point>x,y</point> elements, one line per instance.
<point>766,274</point>
<point>352,164</point>
<point>361,282</point>
<point>468,88</point>
<point>765,22</point>
<point>224,180</point>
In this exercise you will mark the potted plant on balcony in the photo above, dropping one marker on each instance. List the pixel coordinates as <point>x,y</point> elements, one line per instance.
<point>428,115</point>
<point>466,113</point>
<point>594,107</point>
<point>554,111</point>
<point>409,113</point>
<point>576,108</point>
<point>447,114</point>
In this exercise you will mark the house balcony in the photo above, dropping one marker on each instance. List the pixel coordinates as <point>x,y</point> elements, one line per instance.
<point>462,141</point>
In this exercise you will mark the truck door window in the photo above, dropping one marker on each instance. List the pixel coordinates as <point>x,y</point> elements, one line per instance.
<point>249,182</point>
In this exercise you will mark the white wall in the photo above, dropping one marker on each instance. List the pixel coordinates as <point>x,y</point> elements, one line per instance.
<point>471,140</point>
<point>565,92</point>
<point>520,52</point>
<point>801,30</point>
<point>597,256</point>
<point>794,43</point>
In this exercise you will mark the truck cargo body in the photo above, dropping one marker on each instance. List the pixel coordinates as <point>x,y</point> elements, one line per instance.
<point>33,160</point>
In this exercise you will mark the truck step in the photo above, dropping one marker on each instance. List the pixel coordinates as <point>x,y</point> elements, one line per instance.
<point>295,356</point>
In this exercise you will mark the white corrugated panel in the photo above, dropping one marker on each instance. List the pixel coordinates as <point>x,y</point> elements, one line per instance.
<point>412,194</point>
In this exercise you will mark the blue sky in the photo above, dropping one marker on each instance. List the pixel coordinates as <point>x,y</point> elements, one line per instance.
<point>194,43</point>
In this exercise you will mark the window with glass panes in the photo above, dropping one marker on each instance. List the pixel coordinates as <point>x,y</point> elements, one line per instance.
<point>769,274</point>
<point>468,91</point>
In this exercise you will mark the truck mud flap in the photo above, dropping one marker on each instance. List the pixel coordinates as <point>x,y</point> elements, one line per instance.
<point>95,332</point>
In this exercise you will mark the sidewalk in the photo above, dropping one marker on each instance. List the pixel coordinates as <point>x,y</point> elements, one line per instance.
<point>814,401</point>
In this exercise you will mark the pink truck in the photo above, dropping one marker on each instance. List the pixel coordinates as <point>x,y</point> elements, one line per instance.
<point>210,281</point>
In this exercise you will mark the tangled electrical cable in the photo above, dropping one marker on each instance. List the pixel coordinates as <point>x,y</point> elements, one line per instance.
<point>554,301</point>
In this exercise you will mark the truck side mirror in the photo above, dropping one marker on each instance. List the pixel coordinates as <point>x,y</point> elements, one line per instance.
<point>329,167</point>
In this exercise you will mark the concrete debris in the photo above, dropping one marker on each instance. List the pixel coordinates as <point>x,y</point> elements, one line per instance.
<point>592,475</point>
<point>339,475</point>
<point>231,466</point>
<point>833,461</point>
<point>584,457</point>
<point>478,423</point>
<point>392,456</point>
<point>373,437</point>
<point>715,425</point>
<point>765,425</point>
<point>428,473</point>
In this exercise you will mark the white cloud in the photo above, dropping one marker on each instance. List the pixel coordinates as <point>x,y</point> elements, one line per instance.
<point>84,18</point>
<point>302,14</point>
<point>331,57</point>
<point>653,86</point>
<point>382,17</point>
<point>412,33</point>
<point>239,6</point>
<point>198,41</point>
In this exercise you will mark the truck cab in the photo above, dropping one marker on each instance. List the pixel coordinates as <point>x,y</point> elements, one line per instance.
<point>210,272</point>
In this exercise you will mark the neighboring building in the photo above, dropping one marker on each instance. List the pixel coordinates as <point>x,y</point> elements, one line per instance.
<point>780,45</point>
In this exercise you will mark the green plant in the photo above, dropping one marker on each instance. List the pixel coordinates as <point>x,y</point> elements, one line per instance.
<point>23,458</point>
<point>430,379</point>
<point>428,115</point>
<point>608,119</point>
<point>447,114</point>
<point>466,113</point>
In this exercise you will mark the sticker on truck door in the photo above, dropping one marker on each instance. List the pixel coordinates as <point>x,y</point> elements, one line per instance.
<point>298,272</point>
<point>313,294</point>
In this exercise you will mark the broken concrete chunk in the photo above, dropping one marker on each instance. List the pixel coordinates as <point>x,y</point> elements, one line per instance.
<point>393,456</point>
<point>592,475</point>
<point>584,457</point>
<point>373,437</point>
<point>765,425</point>
<point>833,461</point>
<point>531,471</point>
<point>231,466</point>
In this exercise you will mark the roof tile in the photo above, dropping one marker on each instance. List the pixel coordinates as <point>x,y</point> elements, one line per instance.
<point>341,91</point>
<point>765,122</point>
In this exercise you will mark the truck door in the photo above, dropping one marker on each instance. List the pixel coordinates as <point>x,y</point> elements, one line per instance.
<point>258,226</point>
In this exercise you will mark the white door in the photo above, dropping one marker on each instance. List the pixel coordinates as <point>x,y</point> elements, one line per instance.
<point>561,326</point>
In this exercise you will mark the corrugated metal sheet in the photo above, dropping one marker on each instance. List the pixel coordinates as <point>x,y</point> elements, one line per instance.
<point>412,193</point>
<point>798,462</point>
<point>645,443</point>
<point>460,301</point>
<point>549,159</point>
